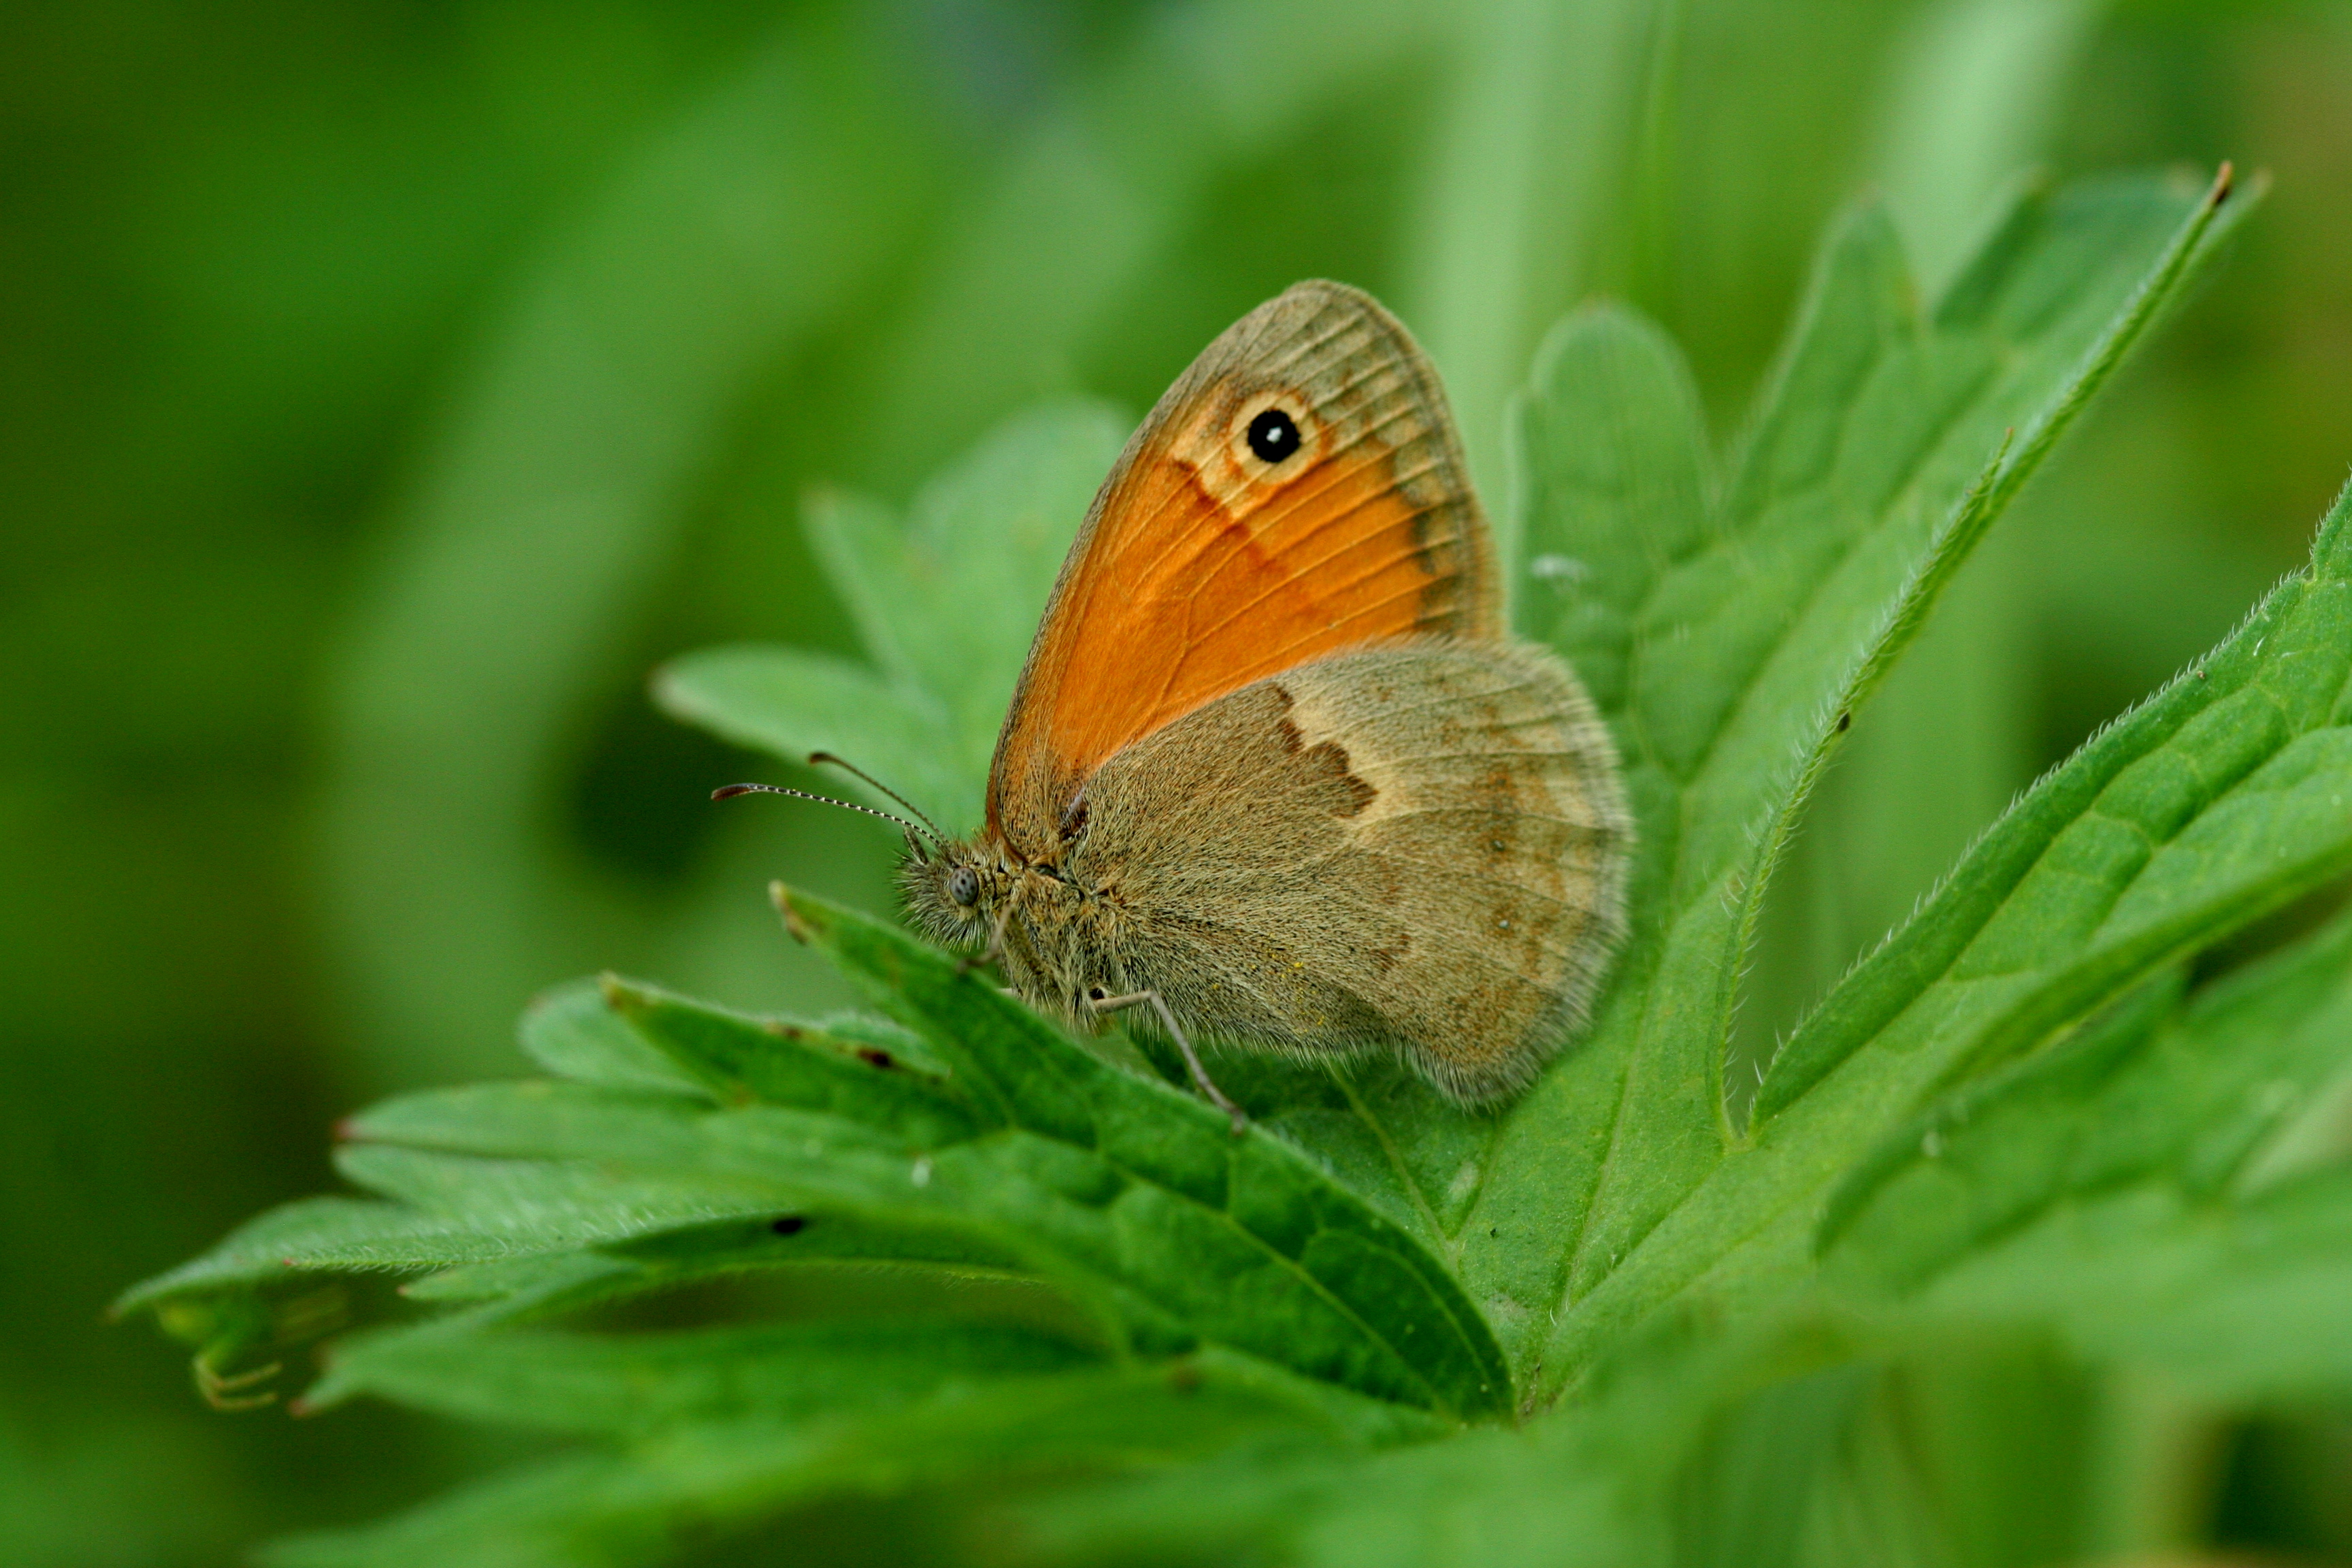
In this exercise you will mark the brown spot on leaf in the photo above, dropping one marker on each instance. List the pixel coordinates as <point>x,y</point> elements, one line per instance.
<point>876,1057</point>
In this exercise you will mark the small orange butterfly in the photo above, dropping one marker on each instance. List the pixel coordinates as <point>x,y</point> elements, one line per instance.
<point>1274,772</point>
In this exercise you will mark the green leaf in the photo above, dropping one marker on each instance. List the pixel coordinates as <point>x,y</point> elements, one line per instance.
<point>945,604</point>
<point>1612,459</point>
<point>2103,1185</point>
<point>708,1477</point>
<point>2220,799</point>
<point>572,1034</point>
<point>1246,1240</point>
<point>793,702</point>
<point>1990,1153</point>
<point>2241,1301</point>
<point>2135,1095</point>
<point>880,1078</point>
<point>2015,1129</point>
<point>1726,638</point>
<point>1133,1195</point>
<point>623,1384</point>
<point>533,1119</point>
<point>329,1233</point>
<point>538,1287</point>
<point>1587,1483</point>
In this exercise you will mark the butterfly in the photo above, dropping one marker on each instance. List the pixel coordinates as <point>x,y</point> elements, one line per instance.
<point>1275,777</point>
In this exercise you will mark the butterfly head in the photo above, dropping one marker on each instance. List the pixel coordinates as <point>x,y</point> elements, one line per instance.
<point>954,890</point>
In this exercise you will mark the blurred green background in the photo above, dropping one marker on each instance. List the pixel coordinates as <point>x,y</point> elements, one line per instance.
<point>386,387</point>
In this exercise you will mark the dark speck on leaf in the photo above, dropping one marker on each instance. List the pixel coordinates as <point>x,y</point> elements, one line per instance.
<point>876,1057</point>
<point>790,1225</point>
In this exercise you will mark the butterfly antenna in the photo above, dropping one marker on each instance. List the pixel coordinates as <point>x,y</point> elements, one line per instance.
<point>729,791</point>
<point>818,759</point>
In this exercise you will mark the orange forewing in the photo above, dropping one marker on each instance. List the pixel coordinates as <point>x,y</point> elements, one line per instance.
<point>1202,568</point>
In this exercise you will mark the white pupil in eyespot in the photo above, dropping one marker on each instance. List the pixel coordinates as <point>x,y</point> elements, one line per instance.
<point>1273,436</point>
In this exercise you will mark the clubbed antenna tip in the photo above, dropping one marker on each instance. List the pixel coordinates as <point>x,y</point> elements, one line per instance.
<point>729,792</point>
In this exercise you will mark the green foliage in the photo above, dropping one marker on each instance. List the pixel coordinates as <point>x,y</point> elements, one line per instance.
<point>944,603</point>
<point>1636,1315</point>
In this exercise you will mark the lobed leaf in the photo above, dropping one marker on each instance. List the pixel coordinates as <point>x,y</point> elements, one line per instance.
<point>1729,631</point>
<point>1133,1195</point>
<point>2220,799</point>
<point>2012,1117</point>
<point>1262,1249</point>
<point>1845,510</point>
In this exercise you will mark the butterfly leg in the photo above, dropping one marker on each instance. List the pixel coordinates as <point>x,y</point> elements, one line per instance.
<point>1201,1079</point>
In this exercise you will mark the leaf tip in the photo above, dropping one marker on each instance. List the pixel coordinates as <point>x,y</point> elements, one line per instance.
<point>796,920</point>
<point>618,994</point>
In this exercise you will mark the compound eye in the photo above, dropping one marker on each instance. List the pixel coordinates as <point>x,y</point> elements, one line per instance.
<point>963,886</point>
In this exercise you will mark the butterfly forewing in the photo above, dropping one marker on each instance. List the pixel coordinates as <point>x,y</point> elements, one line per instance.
<point>1298,491</point>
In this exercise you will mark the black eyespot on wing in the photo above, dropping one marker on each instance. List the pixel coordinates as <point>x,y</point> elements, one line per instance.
<point>1273,435</point>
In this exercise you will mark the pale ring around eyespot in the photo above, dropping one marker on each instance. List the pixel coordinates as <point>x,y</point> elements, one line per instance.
<point>1273,434</point>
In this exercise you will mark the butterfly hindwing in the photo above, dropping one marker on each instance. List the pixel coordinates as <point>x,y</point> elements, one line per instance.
<point>1419,847</point>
